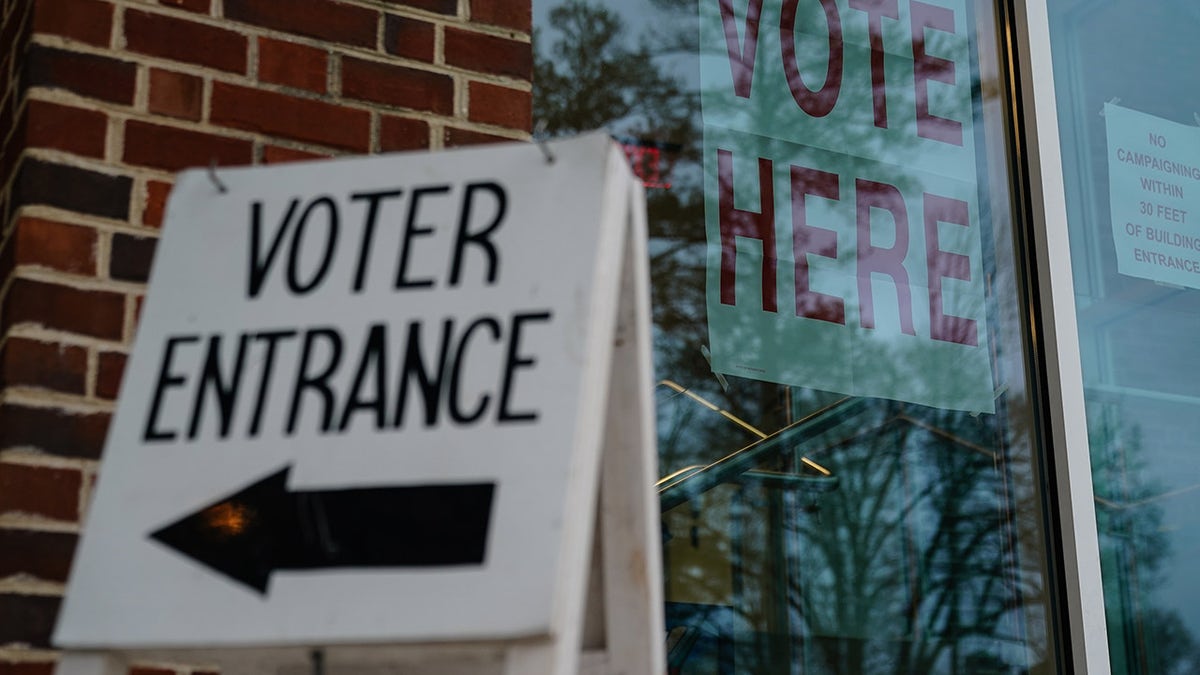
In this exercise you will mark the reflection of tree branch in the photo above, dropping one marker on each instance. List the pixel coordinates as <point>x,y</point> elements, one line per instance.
<point>948,436</point>
<point>1147,500</point>
<point>590,78</point>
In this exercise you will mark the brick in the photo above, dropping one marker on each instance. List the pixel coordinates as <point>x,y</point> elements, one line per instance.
<point>488,54</point>
<point>409,38</point>
<point>110,370</point>
<point>27,619</point>
<point>274,154</point>
<point>100,314</point>
<point>187,41</point>
<point>502,106</point>
<point>292,65</point>
<point>53,431</point>
<point>131,257</point>
<point>89,75</point>
<point>42,555</point>
<point>198,6</point>
<point>83,20</point>
<point>156,203</point>
<point>67,128</point>
<point>447,7</point>
<point>48,243</point>
<point>516,14</point>
<point>46,365</point>
<point>321,19</point>
<point>26,668</point>
<point>72,188</point>
<point>400,133</point>
<point>176,94</point>
<point>455,137</point>
<point>40,491</point>
<point>397,85</point>
<point>173,149</point>
<point>290,117</point>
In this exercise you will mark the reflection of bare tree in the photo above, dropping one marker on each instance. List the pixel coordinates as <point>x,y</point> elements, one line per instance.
<point>590,78</point>
<point>911,565</point>
<point>927,539</point>
<point>1134,550</point>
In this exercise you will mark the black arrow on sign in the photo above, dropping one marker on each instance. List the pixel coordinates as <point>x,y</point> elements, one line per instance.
<point>264,527</point>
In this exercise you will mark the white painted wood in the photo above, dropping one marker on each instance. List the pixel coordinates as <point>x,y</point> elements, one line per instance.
<point>630,521</point>
<point>544,470</point>
<point>563,656</point>
<point>90,663</point>
<point>595,662</point>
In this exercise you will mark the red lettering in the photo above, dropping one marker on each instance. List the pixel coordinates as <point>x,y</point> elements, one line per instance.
<point>876,10</point>
<point>646,163</point>
<point>821,102</point>
<point>736,222</point>
<point>741,56</point>
<point>926,67</point>
<point>820,241</point>
<point>945,265</point>
<point>889,261</point>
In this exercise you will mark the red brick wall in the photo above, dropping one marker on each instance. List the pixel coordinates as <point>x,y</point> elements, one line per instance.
<point>100,102</point>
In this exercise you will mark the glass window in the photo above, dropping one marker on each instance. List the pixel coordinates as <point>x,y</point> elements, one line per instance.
<point>852,473</point>
<point>1131,155</point>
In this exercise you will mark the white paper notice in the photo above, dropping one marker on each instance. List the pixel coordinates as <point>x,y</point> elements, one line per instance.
<point>1154,188</point>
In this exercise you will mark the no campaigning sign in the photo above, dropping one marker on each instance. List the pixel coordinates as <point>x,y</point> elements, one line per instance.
<point>352,411</point>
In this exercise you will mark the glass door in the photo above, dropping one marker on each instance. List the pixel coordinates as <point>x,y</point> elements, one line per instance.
<point>1128,107</point>
<point>851,456</point>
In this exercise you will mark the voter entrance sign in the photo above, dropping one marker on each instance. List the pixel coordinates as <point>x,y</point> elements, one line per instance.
<point>366,407</point>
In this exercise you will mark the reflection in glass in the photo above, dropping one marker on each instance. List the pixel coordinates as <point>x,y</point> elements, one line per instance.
<point>1136,333</point>
<point>807,530</point>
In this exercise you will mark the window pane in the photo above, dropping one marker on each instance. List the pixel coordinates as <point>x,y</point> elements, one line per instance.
<point>852,477</point>
<point>1131,149</point>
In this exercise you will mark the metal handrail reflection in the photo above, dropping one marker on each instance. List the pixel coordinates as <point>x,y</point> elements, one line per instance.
<point>675,386</point>
<point>683,485</point>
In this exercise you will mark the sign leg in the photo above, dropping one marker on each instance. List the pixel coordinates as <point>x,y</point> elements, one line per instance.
<point>629,512</point>
<point>91,663</point>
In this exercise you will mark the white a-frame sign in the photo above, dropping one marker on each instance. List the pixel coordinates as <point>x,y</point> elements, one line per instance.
<point>385,413</point>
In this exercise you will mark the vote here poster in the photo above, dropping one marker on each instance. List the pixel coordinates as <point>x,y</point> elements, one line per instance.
<point>841,202</point>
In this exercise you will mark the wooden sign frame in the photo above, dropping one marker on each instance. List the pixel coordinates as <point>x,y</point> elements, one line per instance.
<point>609,609</point>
